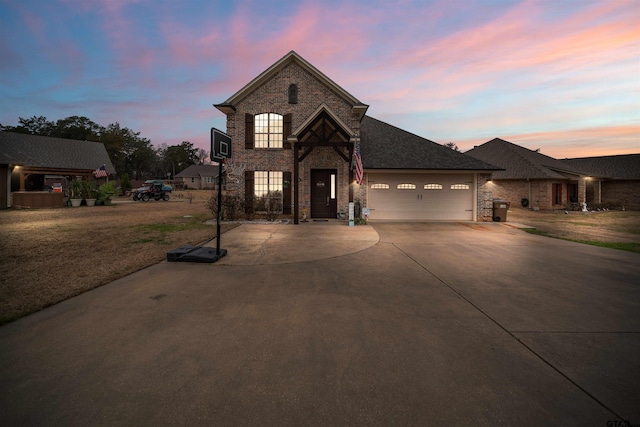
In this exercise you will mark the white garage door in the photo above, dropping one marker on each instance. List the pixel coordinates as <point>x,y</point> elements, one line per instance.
<point>446,197</point>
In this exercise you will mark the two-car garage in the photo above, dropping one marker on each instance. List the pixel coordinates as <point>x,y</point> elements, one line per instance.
<point>421,196</point>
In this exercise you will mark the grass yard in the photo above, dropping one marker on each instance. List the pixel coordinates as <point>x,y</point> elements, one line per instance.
<point>611,229</point>
<point>50,255</point>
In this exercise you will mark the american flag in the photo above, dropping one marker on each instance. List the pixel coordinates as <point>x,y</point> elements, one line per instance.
<point>100,172</point>
<point>358,164</point>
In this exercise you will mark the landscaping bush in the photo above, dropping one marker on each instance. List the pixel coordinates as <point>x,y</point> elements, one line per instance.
<point>232,206</point>
<point>270,204</point>
<point>125,183</point>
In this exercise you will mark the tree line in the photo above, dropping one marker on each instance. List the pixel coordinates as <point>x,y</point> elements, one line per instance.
<point>130,153</point>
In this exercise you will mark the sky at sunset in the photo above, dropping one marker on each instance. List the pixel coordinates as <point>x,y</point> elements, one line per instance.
<point>559,75</point>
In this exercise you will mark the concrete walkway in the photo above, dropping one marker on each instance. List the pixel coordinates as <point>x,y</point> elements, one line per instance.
<point>254,244</point>
<point>389,324</point>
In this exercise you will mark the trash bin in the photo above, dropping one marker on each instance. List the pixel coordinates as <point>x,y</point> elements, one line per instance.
<point>500,208</point>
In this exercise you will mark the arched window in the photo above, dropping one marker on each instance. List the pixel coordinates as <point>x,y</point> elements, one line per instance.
<point>268,130</point>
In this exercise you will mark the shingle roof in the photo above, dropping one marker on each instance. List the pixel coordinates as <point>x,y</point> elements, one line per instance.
<point>199,171</point>
<point>384,146</point>
<point>617,167</point>
<point>57,153</point>
<point>521,163</point>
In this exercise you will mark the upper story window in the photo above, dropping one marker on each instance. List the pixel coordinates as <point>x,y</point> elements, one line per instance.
<point>268,130</point>
<point>293,94</point>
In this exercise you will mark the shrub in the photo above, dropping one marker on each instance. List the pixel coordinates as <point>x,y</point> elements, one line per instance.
<point>89,190</point>
<point>107,190</point>
<point>231,205</point>
<point>76,188</point>
<point>270,204</point>
<point>125,183</point>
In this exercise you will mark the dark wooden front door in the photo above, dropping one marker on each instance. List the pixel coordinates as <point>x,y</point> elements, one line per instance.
<point>323,193</point>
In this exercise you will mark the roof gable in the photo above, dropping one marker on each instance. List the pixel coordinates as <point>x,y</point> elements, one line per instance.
<point>384,146</point>
<point>521,163</point>
<point>230,104</point>
<point>57,153</point>
<point>322,108</point>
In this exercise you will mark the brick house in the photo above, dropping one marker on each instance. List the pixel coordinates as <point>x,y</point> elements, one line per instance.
<point>531,179</point>
<point>611,180</point>
<point>198,177</point>
<point>294,132</point>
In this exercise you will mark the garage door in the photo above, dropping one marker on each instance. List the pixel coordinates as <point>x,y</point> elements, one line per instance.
<point>447,197</point>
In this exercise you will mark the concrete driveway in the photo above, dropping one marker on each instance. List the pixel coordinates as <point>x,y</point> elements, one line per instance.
<point>405,324</point>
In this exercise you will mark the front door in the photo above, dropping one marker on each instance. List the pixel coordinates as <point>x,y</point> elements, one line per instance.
<point>323,193</point>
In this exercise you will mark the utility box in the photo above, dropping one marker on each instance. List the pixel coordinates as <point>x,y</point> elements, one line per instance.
<point>500,208</point>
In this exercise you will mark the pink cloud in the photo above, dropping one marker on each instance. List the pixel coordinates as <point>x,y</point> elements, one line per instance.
<point>518,43</point>
<point>569,143</point>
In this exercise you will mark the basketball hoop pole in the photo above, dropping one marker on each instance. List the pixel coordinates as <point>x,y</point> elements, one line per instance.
<point>219,207</point>
<point>220,150</point>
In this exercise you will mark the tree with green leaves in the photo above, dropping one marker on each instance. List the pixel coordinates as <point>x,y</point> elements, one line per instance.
<point>129,152</point>
<point>178,157</point>
<point>79,128</point>
<point>33,126</point>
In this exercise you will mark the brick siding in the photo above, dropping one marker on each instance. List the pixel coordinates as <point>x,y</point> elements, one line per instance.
<point>621,194</point>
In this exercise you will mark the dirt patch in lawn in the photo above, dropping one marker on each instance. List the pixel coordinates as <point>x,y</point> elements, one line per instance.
<point>599,226</point>
<point>50,255</point>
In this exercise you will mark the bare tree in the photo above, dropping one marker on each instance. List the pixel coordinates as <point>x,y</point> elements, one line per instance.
<point>452,145</point>
<point>203,157</point>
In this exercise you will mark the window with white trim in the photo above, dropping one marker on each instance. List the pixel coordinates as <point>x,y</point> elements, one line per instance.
<point>406,186</point>
<point>433,186</point>
<point>268,130</point>
<point>460,186</point>
<point>379,186</point>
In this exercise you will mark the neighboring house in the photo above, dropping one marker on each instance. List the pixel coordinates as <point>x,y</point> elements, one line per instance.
<point>537,181</point>
<point>25,161</point>
<point>611,180</point>
<point>294,132</point>
<point>198,177</point>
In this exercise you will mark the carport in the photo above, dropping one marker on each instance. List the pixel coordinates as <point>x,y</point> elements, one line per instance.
<point>26,156</point>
